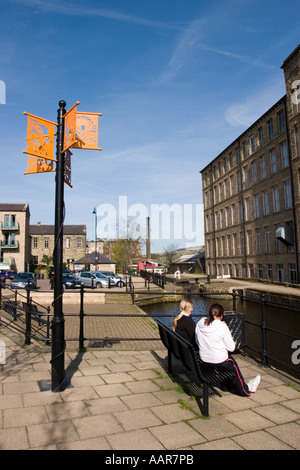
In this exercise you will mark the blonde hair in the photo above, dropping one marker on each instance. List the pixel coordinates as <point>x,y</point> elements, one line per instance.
<point>185,306</point>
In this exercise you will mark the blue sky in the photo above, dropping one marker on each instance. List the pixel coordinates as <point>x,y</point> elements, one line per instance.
<point>176,81</point>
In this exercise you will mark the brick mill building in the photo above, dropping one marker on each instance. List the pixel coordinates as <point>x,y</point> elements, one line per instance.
<point>251,194</point>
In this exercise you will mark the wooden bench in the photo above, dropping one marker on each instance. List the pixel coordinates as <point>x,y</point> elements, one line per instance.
<point>208,375</point>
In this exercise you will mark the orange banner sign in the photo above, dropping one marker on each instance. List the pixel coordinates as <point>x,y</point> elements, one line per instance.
<point>87,131</point>
<point>70,137</point>
<point>40,137</point>
<point>38,165</point>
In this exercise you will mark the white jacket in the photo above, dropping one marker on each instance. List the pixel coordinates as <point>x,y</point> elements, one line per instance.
<point>214,341</point>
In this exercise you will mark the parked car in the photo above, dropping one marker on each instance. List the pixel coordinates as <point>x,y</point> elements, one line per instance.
<point>93,279</point>
<point>70,281</point>
<point>7,274</point>
<point>115,279</point>
<point>64,270</point>
<point>22,280</point>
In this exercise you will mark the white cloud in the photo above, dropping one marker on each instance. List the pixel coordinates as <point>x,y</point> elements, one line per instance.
<point>246,112</point>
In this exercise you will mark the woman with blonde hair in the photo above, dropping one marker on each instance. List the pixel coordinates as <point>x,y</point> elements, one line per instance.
<point>183,324</point>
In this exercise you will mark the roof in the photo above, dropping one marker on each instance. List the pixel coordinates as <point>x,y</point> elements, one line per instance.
<point>14,207</point>
<point>90,258</point>
<point>49,229</point>
<point>189,258</point>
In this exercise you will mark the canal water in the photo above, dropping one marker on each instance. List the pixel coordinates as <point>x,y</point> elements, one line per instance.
<point>280,348</point>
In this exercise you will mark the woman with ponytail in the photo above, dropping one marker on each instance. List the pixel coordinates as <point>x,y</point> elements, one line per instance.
<point>215,342</point>
<point>183,323</point>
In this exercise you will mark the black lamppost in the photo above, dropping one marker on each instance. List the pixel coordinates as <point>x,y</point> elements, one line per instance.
<point>58,328</point>
<point>96,254</point>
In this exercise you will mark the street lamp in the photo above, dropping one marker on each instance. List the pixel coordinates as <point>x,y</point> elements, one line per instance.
<point>96,254</point>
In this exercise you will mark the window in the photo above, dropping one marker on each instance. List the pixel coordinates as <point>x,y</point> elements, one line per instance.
<point>237,271</point>
<point>284,154</point>
<point>287,194</point>
<point>35,260</point>
<point>276,205</point>
<point>229,245</point>
<point>228,217</point>
<point>258,240</point>
<point>251,271</point>
<point>256,206</point>
<point>260,271</point>
<point>281,121</point>
<point>265,202</point>
<point>232,188</point>
<point>270,129</point>
<point>263,171</point>
<point>273,161</point>
<point>249,242</point>
<point>68,242</point>
<point>254,172</point>
<point>226,183</point>
<point>293,274</point>
<point>270,272</point>
<point>237,155</point>
<point>233,211</point>
<point>239,181</point>
<point>261,136</point>
<point>246,176</point>
<point>280,272</point>
<point>244,150</point>
<point>297,140</point>
<point>35,242</point>
<point>248,208</point>
<point>79,242</point>
<point>241,211</point>
<point>242,242</point>
<point>252,144</point>
<point>46,242</point>
<point>235,245</point>
<point>278,244</point>
<point>267,239</point>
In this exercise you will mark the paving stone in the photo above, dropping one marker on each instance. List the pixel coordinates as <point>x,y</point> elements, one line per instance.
<point>141,439</point>
<point>137,419</point>
<point>215,428</point>
<point>260,440</point>
<point>95,426</point>
<point>19,417</point>
<point>248,420</point>
<point>288,433</point>
<point>177,435</point>
<point>277,413</point>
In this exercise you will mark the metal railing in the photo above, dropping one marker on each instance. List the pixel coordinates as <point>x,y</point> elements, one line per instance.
<point>37,318</point>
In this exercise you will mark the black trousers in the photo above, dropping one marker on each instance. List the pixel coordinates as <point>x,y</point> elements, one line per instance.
<point>236,384</point>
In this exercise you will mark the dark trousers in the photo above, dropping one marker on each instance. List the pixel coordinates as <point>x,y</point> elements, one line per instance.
<point>236,384</point>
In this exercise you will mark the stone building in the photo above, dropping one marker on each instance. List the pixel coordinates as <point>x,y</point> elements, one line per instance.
<point>42,242</point>
<point>251,194</point>
<point>14,237</point>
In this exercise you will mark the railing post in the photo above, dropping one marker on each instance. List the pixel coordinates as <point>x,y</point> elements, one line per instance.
<point>234,295</point>
<point>81,319</point>
<point>264,360</point>
<point>28,317</point>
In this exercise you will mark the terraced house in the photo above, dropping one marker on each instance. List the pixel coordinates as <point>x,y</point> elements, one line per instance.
<point>251,194</point>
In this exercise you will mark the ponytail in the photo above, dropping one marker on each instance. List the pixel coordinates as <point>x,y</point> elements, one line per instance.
<point>216,310</point>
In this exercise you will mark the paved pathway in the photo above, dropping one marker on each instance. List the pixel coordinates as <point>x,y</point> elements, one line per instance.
<point>121,398</point>
<point>125,400</point>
